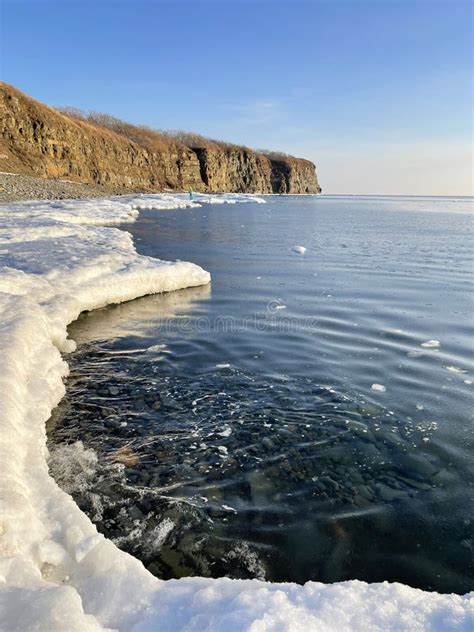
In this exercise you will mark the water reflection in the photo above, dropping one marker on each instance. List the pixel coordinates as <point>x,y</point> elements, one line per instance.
<point>128,319</point>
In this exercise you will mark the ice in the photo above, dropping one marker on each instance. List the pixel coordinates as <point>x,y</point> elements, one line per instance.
<point>455,369</point>
<point>380,388</point>
<point>57,573</point>
<point>431,344</point>
<point>162,531</point>
<point>299,249</point>
<point>50,552</point>
<point>161,348</point>
<point>87,545</point>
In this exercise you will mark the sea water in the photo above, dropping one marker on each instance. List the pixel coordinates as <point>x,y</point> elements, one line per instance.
<point>308,416</point>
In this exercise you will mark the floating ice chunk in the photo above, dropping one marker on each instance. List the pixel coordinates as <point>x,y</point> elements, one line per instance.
<point>224,365</point>
<point>299,249</point>
<point>229,508</point>
<point>431,344</point>
<point>455,369</point>
<point>222,449</point>
<point>161,348</point>
<point>380,388</point>
<point>280,306</point>
<point>467,381</point>
<point>161,532</point>
<point>225,433</point>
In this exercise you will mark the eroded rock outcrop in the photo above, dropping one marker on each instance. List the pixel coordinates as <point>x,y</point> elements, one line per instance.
<point>38,140</point>
<point>293,175</point>
<point>233,169</point>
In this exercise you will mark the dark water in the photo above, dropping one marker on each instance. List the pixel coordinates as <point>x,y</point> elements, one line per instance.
<point>233,429</point>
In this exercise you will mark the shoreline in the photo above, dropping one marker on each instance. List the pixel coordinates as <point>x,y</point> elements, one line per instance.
<point>55,560</point>
<point>15,187</point>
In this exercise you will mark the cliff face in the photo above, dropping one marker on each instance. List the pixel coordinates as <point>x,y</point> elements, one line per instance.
<point>294,175</point>
<point>233,169</point>
<point>38,140</point>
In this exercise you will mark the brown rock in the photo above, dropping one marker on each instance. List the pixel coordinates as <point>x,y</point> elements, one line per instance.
<point>41,141</point>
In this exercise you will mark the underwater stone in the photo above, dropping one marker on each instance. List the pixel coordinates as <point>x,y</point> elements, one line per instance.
<point>415,466</point>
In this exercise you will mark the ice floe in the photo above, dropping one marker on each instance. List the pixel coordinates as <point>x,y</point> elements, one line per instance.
<point>56,572</point>
<point>431,344</point>
<point>455,369</point>
<point>380,388</point>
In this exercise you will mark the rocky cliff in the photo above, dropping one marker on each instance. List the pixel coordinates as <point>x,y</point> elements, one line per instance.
<point>38,140</point>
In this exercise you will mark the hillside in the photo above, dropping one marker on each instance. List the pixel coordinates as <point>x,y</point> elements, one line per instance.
<point>97,149</point>
<point>38,140</point>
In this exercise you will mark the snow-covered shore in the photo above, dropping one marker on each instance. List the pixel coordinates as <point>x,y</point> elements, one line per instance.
<point>56,572</point>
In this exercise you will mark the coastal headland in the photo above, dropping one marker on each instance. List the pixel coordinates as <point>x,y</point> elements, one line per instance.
<point>100,150</point>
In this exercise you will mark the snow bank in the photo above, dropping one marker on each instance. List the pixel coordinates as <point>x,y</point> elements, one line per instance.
<point>56,572</point>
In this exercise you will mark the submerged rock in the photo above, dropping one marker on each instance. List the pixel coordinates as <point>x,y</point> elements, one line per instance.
<point>415,466</point>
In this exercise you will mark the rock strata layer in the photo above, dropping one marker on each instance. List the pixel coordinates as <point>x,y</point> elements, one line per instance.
<point>40,141</point>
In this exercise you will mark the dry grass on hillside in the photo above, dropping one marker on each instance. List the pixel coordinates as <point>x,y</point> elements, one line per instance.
<point>198,141</point>
<point>139,134</point>
<point>281,156</point>
<point>146,137</point>
<point>149,137</point>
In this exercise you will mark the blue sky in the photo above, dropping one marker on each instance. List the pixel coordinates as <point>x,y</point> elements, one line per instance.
<point>378,93</point>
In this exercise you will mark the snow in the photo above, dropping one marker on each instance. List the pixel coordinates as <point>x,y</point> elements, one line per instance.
<point>56,572</point>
